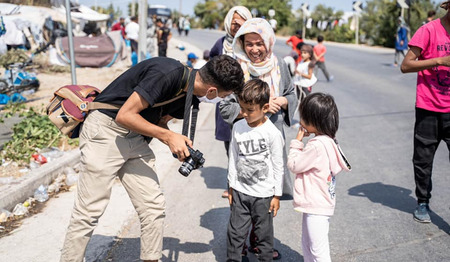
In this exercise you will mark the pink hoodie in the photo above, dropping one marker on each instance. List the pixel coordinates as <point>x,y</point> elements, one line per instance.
<point>316,166</point>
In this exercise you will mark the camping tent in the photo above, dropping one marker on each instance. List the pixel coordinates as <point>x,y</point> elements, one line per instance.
<point>99,51</point>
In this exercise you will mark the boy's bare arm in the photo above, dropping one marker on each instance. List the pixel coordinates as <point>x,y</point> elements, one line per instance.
<point>410,64</point>
<point>230,195</point>
<point>274,205</point>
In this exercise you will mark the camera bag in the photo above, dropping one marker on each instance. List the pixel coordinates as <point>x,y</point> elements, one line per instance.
<point>69,107</point>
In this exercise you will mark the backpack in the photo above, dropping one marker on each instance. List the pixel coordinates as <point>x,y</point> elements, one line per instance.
<point>71,104</point>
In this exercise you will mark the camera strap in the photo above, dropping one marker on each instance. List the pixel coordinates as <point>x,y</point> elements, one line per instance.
<point>187,107</point>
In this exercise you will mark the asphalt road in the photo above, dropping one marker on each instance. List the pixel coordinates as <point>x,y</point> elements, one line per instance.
<point>373,219</point>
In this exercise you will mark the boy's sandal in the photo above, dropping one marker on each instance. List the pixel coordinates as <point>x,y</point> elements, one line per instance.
<point>278,256</point>
<point>276,253</point>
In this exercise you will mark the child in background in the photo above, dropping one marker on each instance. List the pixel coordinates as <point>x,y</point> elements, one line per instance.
<point>316,166</point>
<point>255,173</point>
<point>305,72</point>
<point>319,53</point>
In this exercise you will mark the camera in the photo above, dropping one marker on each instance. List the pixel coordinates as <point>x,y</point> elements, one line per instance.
<point>194,161</point>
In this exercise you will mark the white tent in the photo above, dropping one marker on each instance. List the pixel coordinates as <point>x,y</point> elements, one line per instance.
<point>85,13</point>
<point>34,14</point>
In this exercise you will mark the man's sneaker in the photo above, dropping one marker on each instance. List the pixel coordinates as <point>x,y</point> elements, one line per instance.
<point>331,79</point>
<point>422,213</point>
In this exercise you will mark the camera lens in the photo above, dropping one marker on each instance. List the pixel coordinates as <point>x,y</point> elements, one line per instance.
<point>186,168</point>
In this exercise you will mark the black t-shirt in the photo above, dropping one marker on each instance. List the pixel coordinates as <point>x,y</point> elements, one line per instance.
<point>156,80</point>
<point>164,35</point>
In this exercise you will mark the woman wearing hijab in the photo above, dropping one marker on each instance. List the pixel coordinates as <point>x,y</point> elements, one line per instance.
<point>233,21</point>
<point>401,40</point>
<point>253,48</point>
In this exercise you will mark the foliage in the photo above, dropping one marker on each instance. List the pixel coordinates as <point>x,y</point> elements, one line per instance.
<point>212,12</point>
<point>35,131</point>
<point>46,3</point>
<point>116,12</point>
<point>42,63</point>
<point>379,21</point>
<point>13,56</point>
<point>136,8</point>
<point>282,9</point>
<point>322,13</point>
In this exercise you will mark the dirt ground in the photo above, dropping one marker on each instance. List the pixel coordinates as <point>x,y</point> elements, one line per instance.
<point>50,82</point>
<point>97,77</point>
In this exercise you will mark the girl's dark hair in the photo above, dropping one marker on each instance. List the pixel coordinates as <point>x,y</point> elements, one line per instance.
<point>255,91</point>
<point>320,111</point>
<point>310,50</point>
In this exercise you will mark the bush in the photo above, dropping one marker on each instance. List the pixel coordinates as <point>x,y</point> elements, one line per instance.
<point>34,132</point>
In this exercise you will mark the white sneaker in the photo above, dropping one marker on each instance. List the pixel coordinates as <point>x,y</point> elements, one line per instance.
<point>331,79</point>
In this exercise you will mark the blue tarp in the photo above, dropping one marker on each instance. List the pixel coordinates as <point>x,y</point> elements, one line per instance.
<point>14,98</point>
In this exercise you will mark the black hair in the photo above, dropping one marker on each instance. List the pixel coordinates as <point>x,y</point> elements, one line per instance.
<point>299,45</point>
<point>320,38</point>
<point>299,33</point>
<point>320,111</point>
<point>223,72</point>
<point>431,13</point>
<point>255,91</point>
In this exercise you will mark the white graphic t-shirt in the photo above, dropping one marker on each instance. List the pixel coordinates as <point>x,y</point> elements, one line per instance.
<point>256,159</point>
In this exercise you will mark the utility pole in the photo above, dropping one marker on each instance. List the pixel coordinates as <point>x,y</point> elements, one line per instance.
<point>133,7</point>
<point>70,39</point>
<point>305,15</point>
<point>357,8</point>
<point>142,43</point>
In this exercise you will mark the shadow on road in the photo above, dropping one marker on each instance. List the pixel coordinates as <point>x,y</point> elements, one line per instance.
<point>175,247</point>
<point>394,197</point>
<point>128,250</point>
<point>216,220</point>
<point>215,177</point>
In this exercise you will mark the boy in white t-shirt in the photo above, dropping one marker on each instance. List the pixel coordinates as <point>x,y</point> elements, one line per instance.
<point>255,173</point>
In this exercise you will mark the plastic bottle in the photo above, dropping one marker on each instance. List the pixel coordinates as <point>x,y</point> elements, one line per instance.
<point>41,194</point>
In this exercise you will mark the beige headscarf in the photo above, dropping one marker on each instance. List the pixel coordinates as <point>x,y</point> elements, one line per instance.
<point>268,70</point>
<point>228,41</point>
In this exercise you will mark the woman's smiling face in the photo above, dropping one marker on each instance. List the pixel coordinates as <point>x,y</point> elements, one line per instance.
<point>254,47</point>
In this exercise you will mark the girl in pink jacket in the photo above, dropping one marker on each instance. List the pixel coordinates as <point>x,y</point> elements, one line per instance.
<point>316,164</point>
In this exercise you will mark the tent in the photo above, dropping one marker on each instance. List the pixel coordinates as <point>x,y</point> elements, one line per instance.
<point>98,51</point>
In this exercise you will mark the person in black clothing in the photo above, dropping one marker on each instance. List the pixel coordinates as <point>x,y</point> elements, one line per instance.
<point>164,36</point>
<point>114,143</point>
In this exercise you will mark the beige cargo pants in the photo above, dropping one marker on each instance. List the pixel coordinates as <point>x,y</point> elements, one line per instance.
<point>109,150</point>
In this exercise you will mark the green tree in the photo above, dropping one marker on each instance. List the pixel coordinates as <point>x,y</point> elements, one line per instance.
<point>379,20</point>
<point>213,12</point>
<point>323,13</point>
<point>282,9</point>
<point>109,10</point>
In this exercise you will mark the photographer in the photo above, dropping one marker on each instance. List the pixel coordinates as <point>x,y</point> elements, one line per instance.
<point>114,143</point>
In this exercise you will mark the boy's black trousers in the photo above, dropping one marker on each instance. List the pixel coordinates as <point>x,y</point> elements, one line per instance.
<point>244,210</point>
<point>430,128</point>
